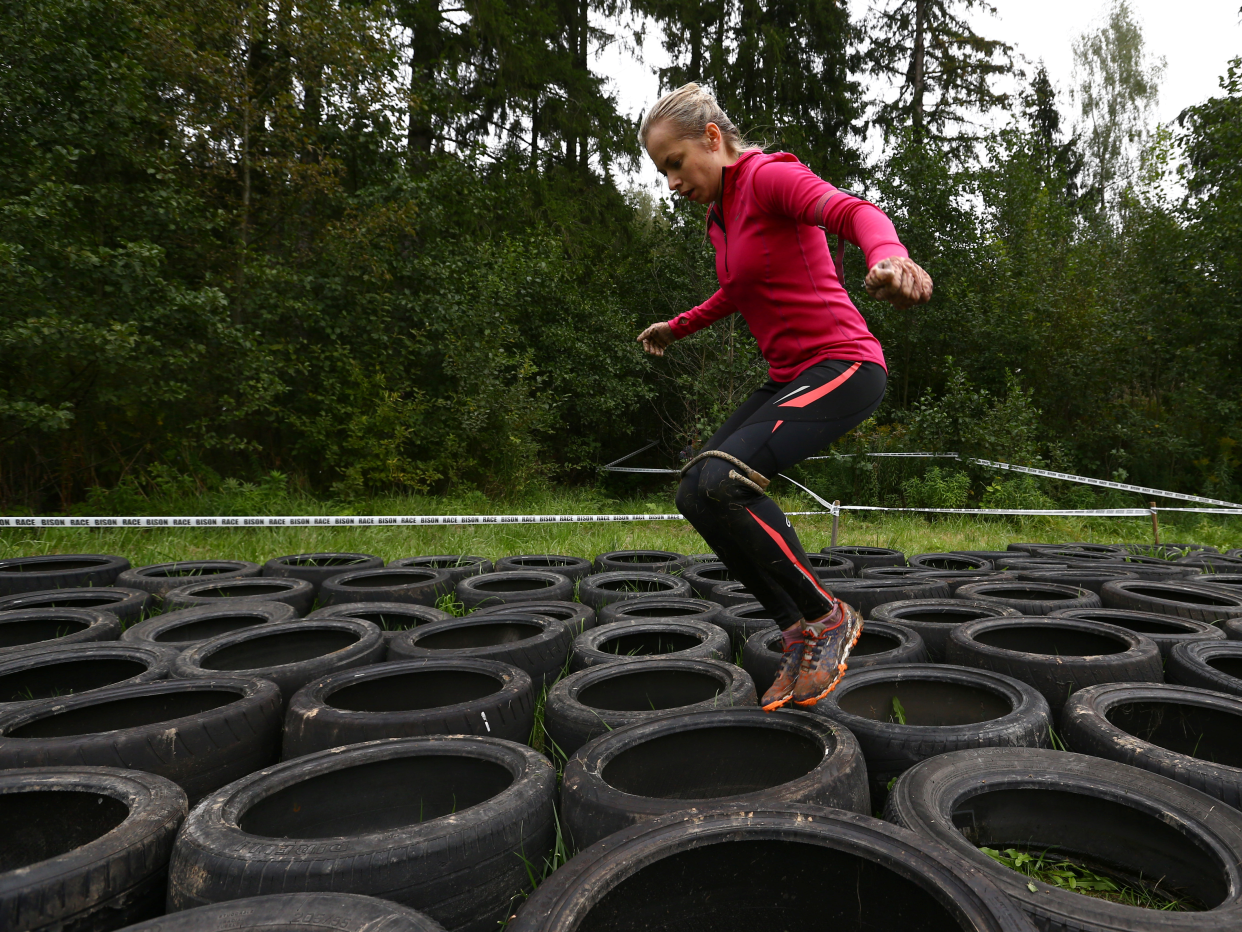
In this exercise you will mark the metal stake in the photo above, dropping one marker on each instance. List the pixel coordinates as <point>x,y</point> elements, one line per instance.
<point>1155,527</point>
<point>836,520</point>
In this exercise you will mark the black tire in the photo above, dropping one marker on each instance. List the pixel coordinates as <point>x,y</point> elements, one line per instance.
<point>934,619</point>
<point>742,622</point>
<point>183,629</point>
<point>577,616</point>
<point>289,653</point>
<point>597,700</point>
<point>390,617</point>
<point>1230,582</point>
<point>514,588</point>
<point>728,594</point>
<point>161,578</point>
<point>660,607</point>
<point>200,734</point>
<point>1213,562</point>
<point>85,848</point>
<point>1056,655</point>
<point>1023,562</point>
<point>1029,598</point>
<point>458,566</point>
<point>891,572</point>
<point>736,759</point>
<point>1171,551</point>
<point>703,577</point>
<point>761,657</point>
<point>445,825</point>
<point>1089,547</point>
<point>1186,734</point>
<point>411,698</point>
<point>1215,665</point>
<point>955,579</point>
<point>1122,820</point>
<point>55,627</point>
<point>50,672</point>
<point>674,639</point>
<point>417,586</point>
<point>1084,557</point>
<point>945,708</point>
<point>298,594</point>
<point>572,568</point>
<point>128,605</point>
<point>535,643</point>
<point>649,561</point>
<point>1185,600</point>
<point>831,565</point>
<point>1156,572</point>
<point>1232,629</point>
<point>59,571</point>
<point>605,588</point>
<point>867,594</point>
<point>866,557</point>
<point>703,558</point>
<point>1166,630</point>
<point>884,642</point>
<point>1093,579</point>
<point>949,561</point>
<point>797,867</point>
<point>990,555</point>
<point>295,912</point>
<point>318,568</point>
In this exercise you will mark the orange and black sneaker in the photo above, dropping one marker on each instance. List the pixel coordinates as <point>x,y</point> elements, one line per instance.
<point>782,688</point>
<point>828,644</point>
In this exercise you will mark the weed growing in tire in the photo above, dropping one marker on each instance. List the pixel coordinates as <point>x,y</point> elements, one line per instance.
<point>542,742</point>
<point>1068,875</point>
<point>448,603</point>
<point>899,712</point>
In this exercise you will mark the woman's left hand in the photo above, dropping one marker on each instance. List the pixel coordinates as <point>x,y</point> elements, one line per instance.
<point>900,281</point>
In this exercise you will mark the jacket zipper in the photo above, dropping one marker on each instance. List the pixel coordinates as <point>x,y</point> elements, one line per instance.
<point>718,216</point>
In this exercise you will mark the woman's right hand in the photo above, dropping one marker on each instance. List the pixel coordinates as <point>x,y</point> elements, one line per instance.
<point>656,337</point>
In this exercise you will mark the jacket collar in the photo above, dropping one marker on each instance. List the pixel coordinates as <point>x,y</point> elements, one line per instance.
<point>729,175</point>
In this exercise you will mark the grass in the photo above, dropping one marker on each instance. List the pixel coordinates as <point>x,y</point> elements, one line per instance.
<point>906,532</point>
<point>1069,875</point>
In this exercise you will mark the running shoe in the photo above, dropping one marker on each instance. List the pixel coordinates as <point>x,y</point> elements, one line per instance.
<point>782,688</point>
<point>828,644</point>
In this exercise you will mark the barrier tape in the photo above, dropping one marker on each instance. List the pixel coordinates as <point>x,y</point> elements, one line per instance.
<point>336,521</point>
<point>993,464</point>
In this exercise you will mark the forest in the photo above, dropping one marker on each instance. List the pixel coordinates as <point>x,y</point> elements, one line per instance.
<point>396,247</point>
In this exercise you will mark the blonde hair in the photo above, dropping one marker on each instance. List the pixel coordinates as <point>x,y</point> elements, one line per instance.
<point>689,109</point>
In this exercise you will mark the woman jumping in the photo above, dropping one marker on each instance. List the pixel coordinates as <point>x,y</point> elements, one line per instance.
<point>827,372</point>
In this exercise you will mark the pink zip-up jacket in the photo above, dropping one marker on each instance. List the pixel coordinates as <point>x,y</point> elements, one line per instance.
<point>775,267</point>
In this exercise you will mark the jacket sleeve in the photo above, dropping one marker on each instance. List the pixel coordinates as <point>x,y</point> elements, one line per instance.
<point>710,311</point>
<point>790,189</point>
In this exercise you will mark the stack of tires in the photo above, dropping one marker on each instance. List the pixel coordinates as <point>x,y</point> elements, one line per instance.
<point>329,741</point>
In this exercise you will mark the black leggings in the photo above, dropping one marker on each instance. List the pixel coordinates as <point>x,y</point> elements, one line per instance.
<point>779,425</point>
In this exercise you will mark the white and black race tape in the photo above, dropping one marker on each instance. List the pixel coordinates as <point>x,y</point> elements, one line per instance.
<point>992,464</point>
<point>357,521</point>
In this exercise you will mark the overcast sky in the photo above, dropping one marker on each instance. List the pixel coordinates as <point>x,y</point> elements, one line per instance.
<point>1197,38</point>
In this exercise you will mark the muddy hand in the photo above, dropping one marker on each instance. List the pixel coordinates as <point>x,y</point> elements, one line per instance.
<point>899,281</point>
<point>655,338</point>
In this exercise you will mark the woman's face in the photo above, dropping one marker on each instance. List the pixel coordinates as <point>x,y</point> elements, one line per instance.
<point>692,166</point>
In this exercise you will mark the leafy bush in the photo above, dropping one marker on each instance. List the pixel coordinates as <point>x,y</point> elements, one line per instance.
<point>937,488</point>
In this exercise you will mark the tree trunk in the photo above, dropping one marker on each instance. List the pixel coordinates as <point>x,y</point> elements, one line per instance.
<point>696,46</point>
<point>918,68</point>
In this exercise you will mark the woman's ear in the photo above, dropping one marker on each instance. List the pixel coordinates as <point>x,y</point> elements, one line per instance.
<point>713,137</point>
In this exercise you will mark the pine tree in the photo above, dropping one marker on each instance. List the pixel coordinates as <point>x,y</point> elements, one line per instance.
<point>783,71</point>
<point>941,68</point>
